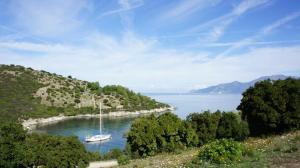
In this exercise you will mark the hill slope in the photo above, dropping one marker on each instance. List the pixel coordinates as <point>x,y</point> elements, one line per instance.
<point>25,92</point>
<point>235,87</point>
<point>276,151</point>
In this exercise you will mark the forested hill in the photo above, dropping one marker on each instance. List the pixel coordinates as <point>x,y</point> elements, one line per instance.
<point>25,92</point>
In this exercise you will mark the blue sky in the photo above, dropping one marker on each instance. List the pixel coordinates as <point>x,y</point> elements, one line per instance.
<point>153,45</point>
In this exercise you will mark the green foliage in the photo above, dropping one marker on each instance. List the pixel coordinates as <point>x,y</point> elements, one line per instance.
<point>166,133</point>
<point>188,135</point>
<point>231,126</point>
<point>123,160</point>
<point>94,86</point>
<point>18,86</point>
<point>19,149</point>
<point>54,151</point>
<point>272,107</point>
<point>222,152</point>
<point>113,154</point>
<point>143,136</point>
<point>205,124</point>
<point>170,125</point>
<point>11,138</point>
<point>118,154</point>
<point>130,100</point>
<point>16,93</point>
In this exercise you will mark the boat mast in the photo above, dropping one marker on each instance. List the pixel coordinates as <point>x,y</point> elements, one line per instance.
<point>100,119</point>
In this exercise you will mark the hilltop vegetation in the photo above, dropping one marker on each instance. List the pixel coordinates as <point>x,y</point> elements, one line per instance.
<point>25,92</point>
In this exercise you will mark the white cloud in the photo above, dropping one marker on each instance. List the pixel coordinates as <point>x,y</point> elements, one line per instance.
<point>143,65</point>
<point>125,5</point>
<point>219,25</point>
<point>48,18</point>
<point>263,32</point>
<point>185,8</point>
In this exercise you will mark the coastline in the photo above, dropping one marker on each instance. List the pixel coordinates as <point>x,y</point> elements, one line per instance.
<point>31,124</point>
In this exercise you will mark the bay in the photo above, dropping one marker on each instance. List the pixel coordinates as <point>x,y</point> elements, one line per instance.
<point>117,127</point>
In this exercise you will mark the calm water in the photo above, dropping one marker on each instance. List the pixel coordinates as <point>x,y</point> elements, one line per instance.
<point>184,104</point>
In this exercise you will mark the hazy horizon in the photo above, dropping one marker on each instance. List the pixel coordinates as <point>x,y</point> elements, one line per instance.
<point>153,46</point>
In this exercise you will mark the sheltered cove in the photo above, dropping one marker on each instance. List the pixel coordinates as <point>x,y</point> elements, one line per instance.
<point>33,123</point>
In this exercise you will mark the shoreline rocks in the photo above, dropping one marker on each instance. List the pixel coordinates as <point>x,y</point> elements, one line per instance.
<point>33,123</point>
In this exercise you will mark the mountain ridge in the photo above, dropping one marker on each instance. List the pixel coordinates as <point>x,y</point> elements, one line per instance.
<point>235,87</point>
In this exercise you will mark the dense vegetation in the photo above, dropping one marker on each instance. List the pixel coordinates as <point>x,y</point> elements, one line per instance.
<point>25,92</point>
<point>272,151</point>
<point>272,107</point>
<point>19,149</point>
<point>168,133</point>
<point>222,151</point>
<point>210,126</point>
<point>150,135</point>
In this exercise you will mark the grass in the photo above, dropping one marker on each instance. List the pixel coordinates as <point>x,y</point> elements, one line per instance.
<point>275,151</point>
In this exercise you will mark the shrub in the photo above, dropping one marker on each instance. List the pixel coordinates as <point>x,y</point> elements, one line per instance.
<point>170,125</point>
<point>19,149</point>
<point>205,124</point>
<point>123,159</point>
<point>188,135</point>
<point>222,152</point>
<point>166,133</point>
<point>272,107</point>
<point>231,126</point>
<point>113,154</point>
<point>143,136</point>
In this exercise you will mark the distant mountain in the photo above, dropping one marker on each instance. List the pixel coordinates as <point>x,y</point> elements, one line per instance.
<point>235,87</point>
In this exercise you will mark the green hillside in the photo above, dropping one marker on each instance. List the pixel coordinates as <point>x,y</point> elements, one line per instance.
<point>25,93</point>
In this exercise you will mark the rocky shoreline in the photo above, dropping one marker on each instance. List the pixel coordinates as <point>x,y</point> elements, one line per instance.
<point>33,123</point>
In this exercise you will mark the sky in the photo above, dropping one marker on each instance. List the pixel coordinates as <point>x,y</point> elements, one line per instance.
<point>153,45</point>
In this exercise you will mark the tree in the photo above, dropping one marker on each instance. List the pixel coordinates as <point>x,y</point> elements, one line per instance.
<point>272,107</point>
<point>188,135</point>
<point>11,139</point>
<point>231,126</point>
<point>19,149</point>
<point>165,133</point>
<point>205,124</point>
<point>143,136</point>
<point>170,125</point>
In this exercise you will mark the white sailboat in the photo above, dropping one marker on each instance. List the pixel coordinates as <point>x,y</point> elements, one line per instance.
<point>100,137</point>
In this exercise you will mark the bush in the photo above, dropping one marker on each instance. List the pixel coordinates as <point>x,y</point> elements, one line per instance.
<point>123,159</point>
<point>231,126</point>
<point>170,125</point>
<point>143,136</point>
<point>113,154</point>
<point>19,149</point>
<point>272,107</point>
<point>222,152</point>
<point>166,133</point>
<point>205,124</point>
<point>188,135</point>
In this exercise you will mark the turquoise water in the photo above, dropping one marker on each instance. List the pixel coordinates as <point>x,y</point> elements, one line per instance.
<point>117,127</point>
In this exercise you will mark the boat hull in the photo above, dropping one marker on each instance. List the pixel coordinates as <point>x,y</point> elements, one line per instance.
<point>97,138</point>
